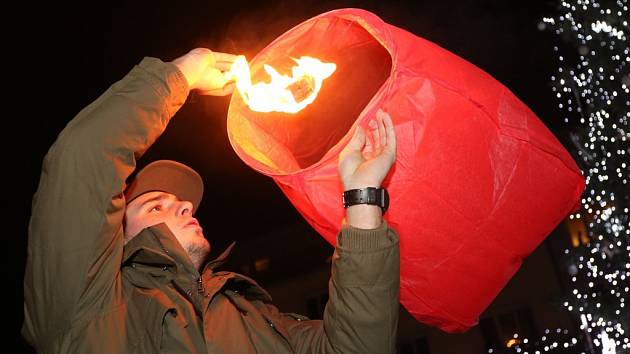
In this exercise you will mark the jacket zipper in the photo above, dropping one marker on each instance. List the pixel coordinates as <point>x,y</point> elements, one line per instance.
<point>200,289</point>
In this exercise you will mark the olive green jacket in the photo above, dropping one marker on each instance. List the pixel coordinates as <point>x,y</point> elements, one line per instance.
<point>87,292</point>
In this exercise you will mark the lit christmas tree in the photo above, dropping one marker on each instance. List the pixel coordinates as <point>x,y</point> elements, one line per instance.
<point>592,88</point>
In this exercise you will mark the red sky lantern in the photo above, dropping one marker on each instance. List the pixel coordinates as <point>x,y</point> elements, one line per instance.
<point>479,181</point>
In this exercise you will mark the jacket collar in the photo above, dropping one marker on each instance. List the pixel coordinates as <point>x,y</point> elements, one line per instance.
<point>223,257</point>
<point>156,246</point>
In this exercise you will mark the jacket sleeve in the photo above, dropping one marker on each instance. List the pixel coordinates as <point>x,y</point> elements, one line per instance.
<point>361,315</point>
<point>75,231</point>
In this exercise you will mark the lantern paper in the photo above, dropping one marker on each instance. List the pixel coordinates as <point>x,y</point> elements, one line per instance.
<point>478,183</point>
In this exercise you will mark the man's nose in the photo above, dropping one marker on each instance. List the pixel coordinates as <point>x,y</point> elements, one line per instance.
<point>185,208</point>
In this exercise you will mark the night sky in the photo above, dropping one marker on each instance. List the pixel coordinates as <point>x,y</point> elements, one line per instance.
<point>79,50</point>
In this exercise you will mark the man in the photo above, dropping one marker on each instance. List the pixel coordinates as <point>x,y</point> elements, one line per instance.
<point>113,268</point>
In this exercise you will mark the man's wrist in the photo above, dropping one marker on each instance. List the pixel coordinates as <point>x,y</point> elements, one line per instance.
<point>364,216</point>
<point>182,70</point>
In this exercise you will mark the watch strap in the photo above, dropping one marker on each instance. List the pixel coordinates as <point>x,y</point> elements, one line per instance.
<point>368,195</point>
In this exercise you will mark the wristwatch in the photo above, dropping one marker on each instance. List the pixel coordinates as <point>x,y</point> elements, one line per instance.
<point>369,195</point>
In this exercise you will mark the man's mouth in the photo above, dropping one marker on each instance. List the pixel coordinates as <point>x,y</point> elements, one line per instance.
<point>193,223</point>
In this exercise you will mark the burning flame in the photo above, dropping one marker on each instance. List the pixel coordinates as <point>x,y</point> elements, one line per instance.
<point>282,93</point>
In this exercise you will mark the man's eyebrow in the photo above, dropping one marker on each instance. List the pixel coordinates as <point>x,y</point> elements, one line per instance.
<point>154,199</point>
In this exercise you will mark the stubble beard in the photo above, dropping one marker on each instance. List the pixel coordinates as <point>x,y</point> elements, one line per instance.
<point>198,251</point>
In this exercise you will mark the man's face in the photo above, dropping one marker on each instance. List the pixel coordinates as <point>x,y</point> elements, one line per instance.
<point>153,208</point>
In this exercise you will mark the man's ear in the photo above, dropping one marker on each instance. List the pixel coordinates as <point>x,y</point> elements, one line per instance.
<point>124,226</point>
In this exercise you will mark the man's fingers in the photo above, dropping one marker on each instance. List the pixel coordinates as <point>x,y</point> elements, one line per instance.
<point>374,134</point>
<point>214,79</point>
<point>227,89</point>
<point>389,131</point>
<point>224,57</point>
<point>205,54</point>
<point>223,65</point>
<point>381,128</point>
<point>223,91</point>
<point>358,139</point>
<point>351,157</point>
<point>368,150</point>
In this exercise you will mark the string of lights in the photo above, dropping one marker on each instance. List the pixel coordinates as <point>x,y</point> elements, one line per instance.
<point>592,87</point>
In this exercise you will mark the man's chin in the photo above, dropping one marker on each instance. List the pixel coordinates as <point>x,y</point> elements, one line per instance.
<point>200,249</point>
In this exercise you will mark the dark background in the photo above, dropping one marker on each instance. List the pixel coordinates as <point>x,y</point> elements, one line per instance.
<point>69,53</point>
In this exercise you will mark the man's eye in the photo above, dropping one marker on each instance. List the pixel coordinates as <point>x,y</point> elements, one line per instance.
<point>155,208</point>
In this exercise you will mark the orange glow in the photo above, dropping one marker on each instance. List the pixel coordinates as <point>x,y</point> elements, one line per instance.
<point>577,232</point>
<point>283,93</point>
<point>512,342</point>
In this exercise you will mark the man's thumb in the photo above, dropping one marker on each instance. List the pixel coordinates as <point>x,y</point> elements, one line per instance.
<point>358,139</point>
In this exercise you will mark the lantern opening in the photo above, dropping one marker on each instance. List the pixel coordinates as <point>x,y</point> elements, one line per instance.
<point>282,143</point>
